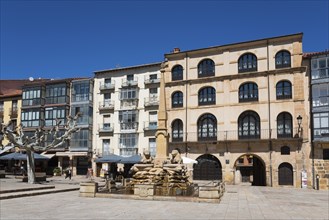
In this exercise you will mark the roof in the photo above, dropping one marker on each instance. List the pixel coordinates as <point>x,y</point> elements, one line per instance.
<point>283,37</point>
<point>127,68</point>
<point>10,88</point>
<point>312,54</point>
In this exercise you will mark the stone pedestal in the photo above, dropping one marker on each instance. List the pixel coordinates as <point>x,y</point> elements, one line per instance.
<point>212,192</point>
<point>144,190</point>
<point>88,189</point>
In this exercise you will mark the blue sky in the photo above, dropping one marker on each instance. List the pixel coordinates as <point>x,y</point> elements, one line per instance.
<point>59,39</point>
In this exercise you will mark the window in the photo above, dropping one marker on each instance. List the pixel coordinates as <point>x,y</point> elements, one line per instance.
<point>207,127</point>
<point>320,68</point>
<point>128,144</point>
<point>56,94</point>
<point>153,76</point>
<point>282,59</point>
<point>128,120</point>
<point>285,150</point>
<point>321,124</point>
<point>207,96</point>
<point>249,125</point>
<point>130,77</point>
<point>283,90</point>
<point>55,113</point>
<point>177,73</point>
<point>31,96</point>
<point>177,130</point>
<point>14,106</point>
<point>81,91</point>
<point>86,113</point>
<point>153,120</point>
<point>106,147</point>
<point>247,63</point>
<point>206,68</point>
<point>284,125</point>
<point>326,154</point>
<point>152,146</point>
<point>248,92</point>
<point>153,92</point>
<point>320,95</point>
<point>129,93</point>
<point>31,118</point>
<point>177,99</point>
<point>81,140</point>
<point>1,106</point>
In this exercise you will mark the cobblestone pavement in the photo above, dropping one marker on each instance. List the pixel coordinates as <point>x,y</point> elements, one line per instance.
<point>238,202</point>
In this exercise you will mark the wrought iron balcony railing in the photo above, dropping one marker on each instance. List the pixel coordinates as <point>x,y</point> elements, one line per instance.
<point>151,101</point>
<point>150,125</point>
<point>150,79</point>
<point>106,105</point>
<point>105,128</point>
<point>106,86</point>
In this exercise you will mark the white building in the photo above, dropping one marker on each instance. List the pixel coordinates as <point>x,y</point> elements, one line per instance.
<point>125,110</point>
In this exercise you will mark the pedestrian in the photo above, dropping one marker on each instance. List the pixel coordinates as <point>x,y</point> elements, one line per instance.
<point>68,173</point>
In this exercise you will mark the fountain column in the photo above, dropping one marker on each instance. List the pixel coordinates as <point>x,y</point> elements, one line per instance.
<point>162,134</point>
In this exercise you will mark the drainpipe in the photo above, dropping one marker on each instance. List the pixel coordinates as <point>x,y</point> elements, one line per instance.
<point>186,78</point>
<point>269,116</point>
<point>311,121</point>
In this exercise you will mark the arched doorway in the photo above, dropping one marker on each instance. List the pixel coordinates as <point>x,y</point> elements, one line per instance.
<point>286,174</point>
<point>250,168</point>
<point>207,168</point>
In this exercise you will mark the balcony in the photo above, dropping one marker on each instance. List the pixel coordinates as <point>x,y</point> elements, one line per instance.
<point>27,103</point>
<point>129,104</point>
<point>126,83</point>
<point>129,126</point>
<point>57,100</point>
<point>106,105</point>
<point>13,112</point>
<point>263,134</point>
<point>103,87</point>
<point>105,128</point>
<point>151,101</point>
<point>82,97</point>
<point>152,79</point>
<point>150,125</point>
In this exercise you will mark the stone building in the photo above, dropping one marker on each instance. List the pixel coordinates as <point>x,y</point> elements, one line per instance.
<point>319,96</point>
<point>241,110</point>
<point>125,111</point>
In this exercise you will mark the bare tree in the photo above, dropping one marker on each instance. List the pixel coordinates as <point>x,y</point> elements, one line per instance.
<point>36,142</point>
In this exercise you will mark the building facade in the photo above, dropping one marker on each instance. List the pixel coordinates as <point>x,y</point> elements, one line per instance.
<point>319,90</point>
<point>10,104</point>
<point>125,110</point>
<point>242,111</point>
<point>44,102</point>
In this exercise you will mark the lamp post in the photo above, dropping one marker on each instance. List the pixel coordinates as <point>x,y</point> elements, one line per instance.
<point>299,121</point>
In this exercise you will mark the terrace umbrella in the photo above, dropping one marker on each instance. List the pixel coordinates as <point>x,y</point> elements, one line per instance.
<point>20,156</point>
<point>188,160</point>
<point>111,158</point>
<point>132,159</point>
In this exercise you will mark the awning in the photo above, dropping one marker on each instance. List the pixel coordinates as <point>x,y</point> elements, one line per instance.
<point>20,156</point>
<point>6,149</point>
<point>133,159</point>
<point>188,160</point>
<point>48,155</point>
<point>111,158</point>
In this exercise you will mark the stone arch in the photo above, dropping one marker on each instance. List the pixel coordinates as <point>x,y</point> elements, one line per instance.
<point>207,168</point>
<point>250,168</point>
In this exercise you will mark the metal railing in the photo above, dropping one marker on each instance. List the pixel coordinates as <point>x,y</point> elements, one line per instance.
<point>106,105</point>
<point>150,125</point>
<point>105,128</point>
<point>106,86</point>
<point>126,82</point>
<point>129,126</point>
<point>149,79</point>
<point>129,104</point>
<point>234,135</point>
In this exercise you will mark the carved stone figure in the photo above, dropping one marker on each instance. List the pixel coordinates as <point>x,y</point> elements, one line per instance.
<point>146,157</point>
<point>176,157</point>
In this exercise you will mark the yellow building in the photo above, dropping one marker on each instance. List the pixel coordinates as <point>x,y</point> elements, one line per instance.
<point>241,110</point>
<point>10,103</point>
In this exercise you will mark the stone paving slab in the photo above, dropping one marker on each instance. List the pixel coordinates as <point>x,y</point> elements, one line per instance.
<point>239,202</point>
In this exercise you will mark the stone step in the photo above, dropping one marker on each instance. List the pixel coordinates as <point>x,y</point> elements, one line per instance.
<point>26,189</point>
<point>13,195</point>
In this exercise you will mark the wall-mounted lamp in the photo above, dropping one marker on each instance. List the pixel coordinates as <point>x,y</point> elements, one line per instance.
<point>299,120</point>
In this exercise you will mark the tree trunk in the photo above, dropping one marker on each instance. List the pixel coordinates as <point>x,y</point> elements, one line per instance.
<point>30,167</point>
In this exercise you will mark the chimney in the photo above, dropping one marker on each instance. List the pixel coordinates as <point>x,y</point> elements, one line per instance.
<point>176,50</point>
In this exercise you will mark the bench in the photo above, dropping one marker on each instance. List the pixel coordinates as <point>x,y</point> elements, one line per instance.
<point>39,177</point>
<point>2,174</point>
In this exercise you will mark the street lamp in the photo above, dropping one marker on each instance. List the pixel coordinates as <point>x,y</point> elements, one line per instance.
<point>299,121</point>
